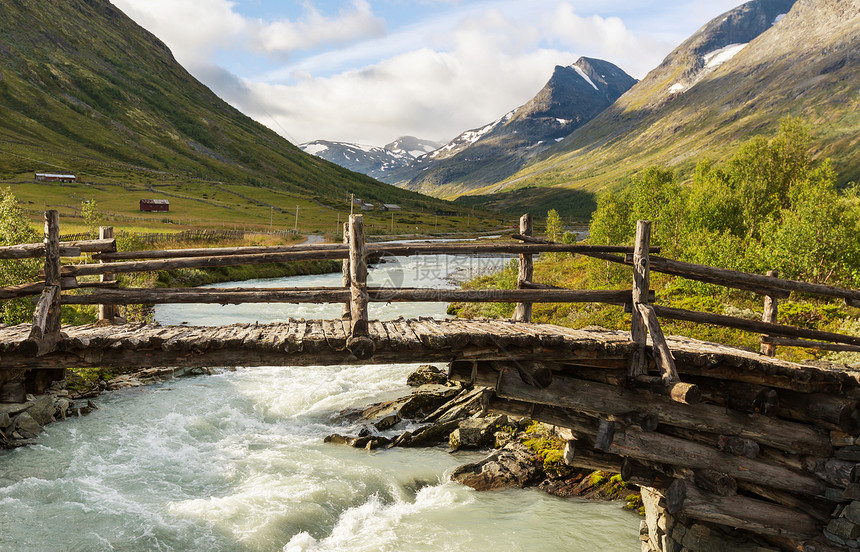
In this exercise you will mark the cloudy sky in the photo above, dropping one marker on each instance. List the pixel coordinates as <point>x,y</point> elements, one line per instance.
<point>369,71</point>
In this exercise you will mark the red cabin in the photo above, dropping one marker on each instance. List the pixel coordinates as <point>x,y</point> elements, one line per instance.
<point>154,205</point>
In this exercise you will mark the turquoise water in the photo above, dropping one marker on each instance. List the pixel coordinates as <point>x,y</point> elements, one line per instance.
<point>236,462</point>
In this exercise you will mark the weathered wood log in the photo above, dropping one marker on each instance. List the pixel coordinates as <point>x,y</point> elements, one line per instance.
<point>817,508</point>
<point>834,471</point>
<point>335,251</point>
<point>726,443</point>
<point>359,344</point>
<point>42,314</point>
<point>52,274</point>
<point>201,262</point>
<point>223,296</point>
<point>752,325</point>
<point>745,397</point>
<point>738,446</point>
<point>756,516</point>
<point>599,400</point>
<point>820,409</point>
<point>106,310</point>
<point>34,251</point>
<point>92,246</point>
<point>765,285</point>
<point>33,288</point>
<point>715,482</point>
<point>129,296</point>
<point>218,251</point>
<point>531,239</point>
<point>656,447</point>
<point>580,455</point>
<point>605,435</point>
<point>535,373</point>
<point>641,285</point>
<point>662,354</point>
<point>346,279</point>
<point>769,315</point>
<point>525,273</point>
<point>807,344</point>
<point>42,338</point>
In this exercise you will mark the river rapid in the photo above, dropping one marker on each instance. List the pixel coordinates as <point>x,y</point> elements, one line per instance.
<point>236,461</point>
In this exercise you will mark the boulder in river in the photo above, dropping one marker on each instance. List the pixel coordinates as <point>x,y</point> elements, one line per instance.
<point>476,432</point>
<point>426,373</point>
<point>512,466</point>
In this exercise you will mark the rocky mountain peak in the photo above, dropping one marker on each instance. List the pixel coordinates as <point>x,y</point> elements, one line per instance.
<point>714,44</point>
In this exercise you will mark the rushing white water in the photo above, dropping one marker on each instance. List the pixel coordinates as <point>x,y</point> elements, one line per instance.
<point>236,462</point>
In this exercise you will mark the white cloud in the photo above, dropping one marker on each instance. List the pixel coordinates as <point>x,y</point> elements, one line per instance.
<point>487,69</point>
<point>315,29</point>
<point>195,29</point>
<point>351,80</point>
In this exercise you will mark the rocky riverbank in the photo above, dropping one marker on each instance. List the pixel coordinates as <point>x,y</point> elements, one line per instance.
<point>522,452</point>
<point>22,422</point>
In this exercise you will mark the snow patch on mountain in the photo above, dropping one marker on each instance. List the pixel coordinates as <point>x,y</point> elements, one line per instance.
<point>718,57</point>
<point>584,76</point>
<point>313,148</point>
<point>778,18</point>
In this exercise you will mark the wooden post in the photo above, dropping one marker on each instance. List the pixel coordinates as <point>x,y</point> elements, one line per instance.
<point>346,279</point>
<point>523,311</point>
<point>769,315</point>
<point>106,312</point>
<point>45,331</point>
<point>641,284</point>
<point>359,343</point>
<point>52,268</point>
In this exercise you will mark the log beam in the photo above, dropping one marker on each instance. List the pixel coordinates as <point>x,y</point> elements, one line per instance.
<point>525,273</point>
<point>358,343</point>
<point>641,285</point>
<point>107,311</point>
<point>756,516</point>
<point>601,400</point>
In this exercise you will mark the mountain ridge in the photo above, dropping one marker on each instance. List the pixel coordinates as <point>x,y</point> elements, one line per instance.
<point>376,162</point>
<point>572,96</point>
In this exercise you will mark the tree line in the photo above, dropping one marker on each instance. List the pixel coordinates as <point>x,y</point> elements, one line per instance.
<point>771,206</point>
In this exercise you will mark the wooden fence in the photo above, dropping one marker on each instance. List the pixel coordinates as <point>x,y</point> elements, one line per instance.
<point>355,294</point>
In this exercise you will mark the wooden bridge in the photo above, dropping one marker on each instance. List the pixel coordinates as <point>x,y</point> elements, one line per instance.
<point>726,437</point>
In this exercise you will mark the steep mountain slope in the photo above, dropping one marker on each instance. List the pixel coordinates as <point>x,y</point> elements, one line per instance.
<point>573,95</point>
<point>85,89</point>
<point>801,64</point>
<point>371,160</point>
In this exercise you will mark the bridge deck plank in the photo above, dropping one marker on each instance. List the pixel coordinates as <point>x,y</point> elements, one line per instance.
<point>295,335</point>
<point>314,338</point>
<point>334,334</point>
<point>404,339</point>
<point>379,335</point>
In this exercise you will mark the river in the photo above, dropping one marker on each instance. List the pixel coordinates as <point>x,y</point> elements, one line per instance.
<point>236,462</point>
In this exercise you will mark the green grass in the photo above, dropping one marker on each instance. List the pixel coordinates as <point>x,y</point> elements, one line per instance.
<point>198,204</point>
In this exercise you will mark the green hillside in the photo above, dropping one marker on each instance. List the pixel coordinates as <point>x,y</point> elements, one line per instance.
<point>84,89</point>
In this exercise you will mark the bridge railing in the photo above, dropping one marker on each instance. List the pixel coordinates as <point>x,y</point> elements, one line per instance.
<point>355,293</point>
<point>770,287</point>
